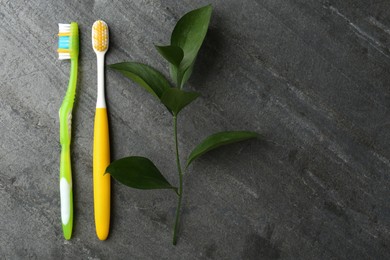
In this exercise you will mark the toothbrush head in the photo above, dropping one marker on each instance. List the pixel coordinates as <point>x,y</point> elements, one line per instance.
<point>100,36</point>
<point>68,41</point>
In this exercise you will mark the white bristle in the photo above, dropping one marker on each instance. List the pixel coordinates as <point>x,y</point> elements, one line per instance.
<point>63,56</point>
<point>64,27</point>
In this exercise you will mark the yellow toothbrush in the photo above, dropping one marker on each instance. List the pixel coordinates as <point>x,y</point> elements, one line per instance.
<point>101,143</point>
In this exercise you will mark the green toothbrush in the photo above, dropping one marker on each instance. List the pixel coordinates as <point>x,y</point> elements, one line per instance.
<point>68,48</point>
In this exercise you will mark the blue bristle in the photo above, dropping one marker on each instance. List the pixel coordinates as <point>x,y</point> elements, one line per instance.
<point>63,42</point>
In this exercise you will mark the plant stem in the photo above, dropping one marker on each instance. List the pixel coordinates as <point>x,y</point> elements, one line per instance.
<point>180,193</point>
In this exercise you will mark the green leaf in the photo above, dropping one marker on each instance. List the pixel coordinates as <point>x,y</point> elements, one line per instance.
<point>147,77</point>
<point>172,54</point>
<point>189,34</point>
<point>219,139</point>
<point>138,172</point>
<point>175,99</point>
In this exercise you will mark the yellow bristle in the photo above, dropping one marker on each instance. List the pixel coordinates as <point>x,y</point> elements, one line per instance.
<point>62,50</point>
<point>100,36</point>
<point>64,34</point>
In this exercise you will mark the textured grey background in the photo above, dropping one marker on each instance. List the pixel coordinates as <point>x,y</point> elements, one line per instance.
<point>312,76</point>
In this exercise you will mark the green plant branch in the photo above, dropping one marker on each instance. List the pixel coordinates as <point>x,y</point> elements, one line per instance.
<point>186,39</point>
<point>179,79</point>
<point>180,193</point>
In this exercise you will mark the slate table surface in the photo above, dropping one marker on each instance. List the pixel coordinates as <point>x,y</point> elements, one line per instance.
<point>311,76</point>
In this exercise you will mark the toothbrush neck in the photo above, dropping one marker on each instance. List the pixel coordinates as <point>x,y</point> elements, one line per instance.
<point>101,100</point>
<point>71,91</point>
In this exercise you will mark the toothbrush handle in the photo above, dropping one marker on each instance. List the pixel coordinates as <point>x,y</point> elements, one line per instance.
<point>101,182</point>
<point>66,192</point>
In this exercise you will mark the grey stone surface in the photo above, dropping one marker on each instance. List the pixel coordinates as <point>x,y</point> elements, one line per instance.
<point>312,76</point>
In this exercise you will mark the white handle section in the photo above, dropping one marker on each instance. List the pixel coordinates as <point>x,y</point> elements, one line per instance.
<point>65,200</point>
<point>101,100</point>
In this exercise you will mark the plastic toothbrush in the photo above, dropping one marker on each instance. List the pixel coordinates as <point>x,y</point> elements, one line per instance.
<point>68,48</point>
<point>101,144</point>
